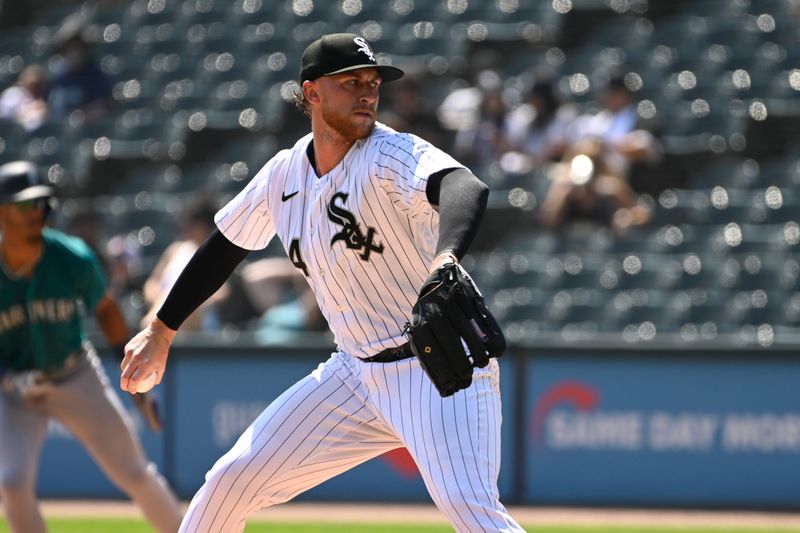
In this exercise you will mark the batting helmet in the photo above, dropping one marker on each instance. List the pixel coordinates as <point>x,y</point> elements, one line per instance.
<point>21,181</point>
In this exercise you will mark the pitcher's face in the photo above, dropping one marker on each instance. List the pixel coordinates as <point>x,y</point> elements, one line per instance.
<point>348,102</point>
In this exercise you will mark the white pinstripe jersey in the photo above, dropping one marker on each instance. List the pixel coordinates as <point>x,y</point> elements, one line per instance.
<point>364,234</point>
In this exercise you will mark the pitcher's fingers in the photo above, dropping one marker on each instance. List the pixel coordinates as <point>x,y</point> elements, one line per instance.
<point>135,378</point>
<point>126,359</point>
<point>125,377</point>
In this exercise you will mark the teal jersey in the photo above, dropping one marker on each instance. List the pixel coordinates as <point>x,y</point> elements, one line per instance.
<point>40,317</point>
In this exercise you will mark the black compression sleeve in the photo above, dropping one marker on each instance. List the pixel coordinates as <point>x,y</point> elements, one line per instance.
<point>205,273</point>
<point>461,198</point>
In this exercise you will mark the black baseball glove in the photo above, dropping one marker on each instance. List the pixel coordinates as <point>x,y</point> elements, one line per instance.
<point>451,329</point>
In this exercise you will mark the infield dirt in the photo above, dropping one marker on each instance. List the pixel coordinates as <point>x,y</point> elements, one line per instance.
<point>395,513</point>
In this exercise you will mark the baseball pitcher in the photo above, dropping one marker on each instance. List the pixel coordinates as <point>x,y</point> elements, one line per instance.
<point>376,221</point>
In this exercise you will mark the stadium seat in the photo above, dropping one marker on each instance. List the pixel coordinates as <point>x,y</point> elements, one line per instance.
<point>202,11</point>
<point>159,178</point>
<point>426,38</point>
<point>11,137</point>
<point>731,171</point>
<point>691,274</point>
<point>144,12</point>
<point>142,123</point>
<point>626,32</point>
<point>705,322</point>
<point>304,12</point>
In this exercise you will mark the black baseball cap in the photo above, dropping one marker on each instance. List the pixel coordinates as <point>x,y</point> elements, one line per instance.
<point>21,181</point>
<point>340,52</point>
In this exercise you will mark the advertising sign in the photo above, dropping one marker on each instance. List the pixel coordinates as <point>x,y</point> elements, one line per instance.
<point>662,430</point>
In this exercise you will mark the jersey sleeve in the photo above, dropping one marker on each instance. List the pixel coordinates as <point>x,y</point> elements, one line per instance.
<point>403,164</point>
<point>246,220</point>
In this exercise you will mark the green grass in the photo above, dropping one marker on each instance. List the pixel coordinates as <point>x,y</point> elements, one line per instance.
<point>80,525</point>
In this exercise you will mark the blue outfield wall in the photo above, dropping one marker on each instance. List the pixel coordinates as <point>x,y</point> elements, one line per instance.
<point>662,429</point>
<point>579,428</point>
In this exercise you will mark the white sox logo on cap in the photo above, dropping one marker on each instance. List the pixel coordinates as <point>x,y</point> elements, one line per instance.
<point>334,53</point>
<point>364,47</point>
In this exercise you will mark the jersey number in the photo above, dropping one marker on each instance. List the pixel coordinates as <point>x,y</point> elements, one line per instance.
<point>296,258</point>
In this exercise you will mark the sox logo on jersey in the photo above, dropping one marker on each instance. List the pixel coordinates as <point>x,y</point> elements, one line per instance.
<point>351,231</point>
<point>364,234</point>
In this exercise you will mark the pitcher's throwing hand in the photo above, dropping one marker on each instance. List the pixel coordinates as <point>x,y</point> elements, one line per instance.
<point>145,354</point>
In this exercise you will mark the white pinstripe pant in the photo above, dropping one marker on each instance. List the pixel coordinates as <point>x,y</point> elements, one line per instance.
<point>346,412</point>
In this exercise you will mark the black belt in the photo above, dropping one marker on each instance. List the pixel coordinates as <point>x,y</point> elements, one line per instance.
<point>390,355</point>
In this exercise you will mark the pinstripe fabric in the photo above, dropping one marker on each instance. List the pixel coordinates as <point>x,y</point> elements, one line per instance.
<point>315,430</point>
<point>364,235</point>
<point>347,412</point>
<point>365,301</point>
<point>455,441</point>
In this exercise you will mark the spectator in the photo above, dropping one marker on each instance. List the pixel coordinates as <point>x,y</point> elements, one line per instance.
<point>119,257</point>
<point>292,320</point>
<point>582,189</point>
<point>478,116</point>
<point>284,300</point>
<point>123,264</point>
<point>123,258</point>
<point>271,281</point>
<point>237,309</point>
<point>489,140</point>
<point>408,110</point>
<point>86,225</point>
<point>539,128</point>
<point>616,127</point>
<point>78,83</point>
<point>461,107</point>
<point>25,102</point>
<point>197,224</point>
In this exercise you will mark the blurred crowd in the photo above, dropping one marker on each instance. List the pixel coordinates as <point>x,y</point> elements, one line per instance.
<point>577,155</point>
<point>267,294</point>
<point>76,83</point>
